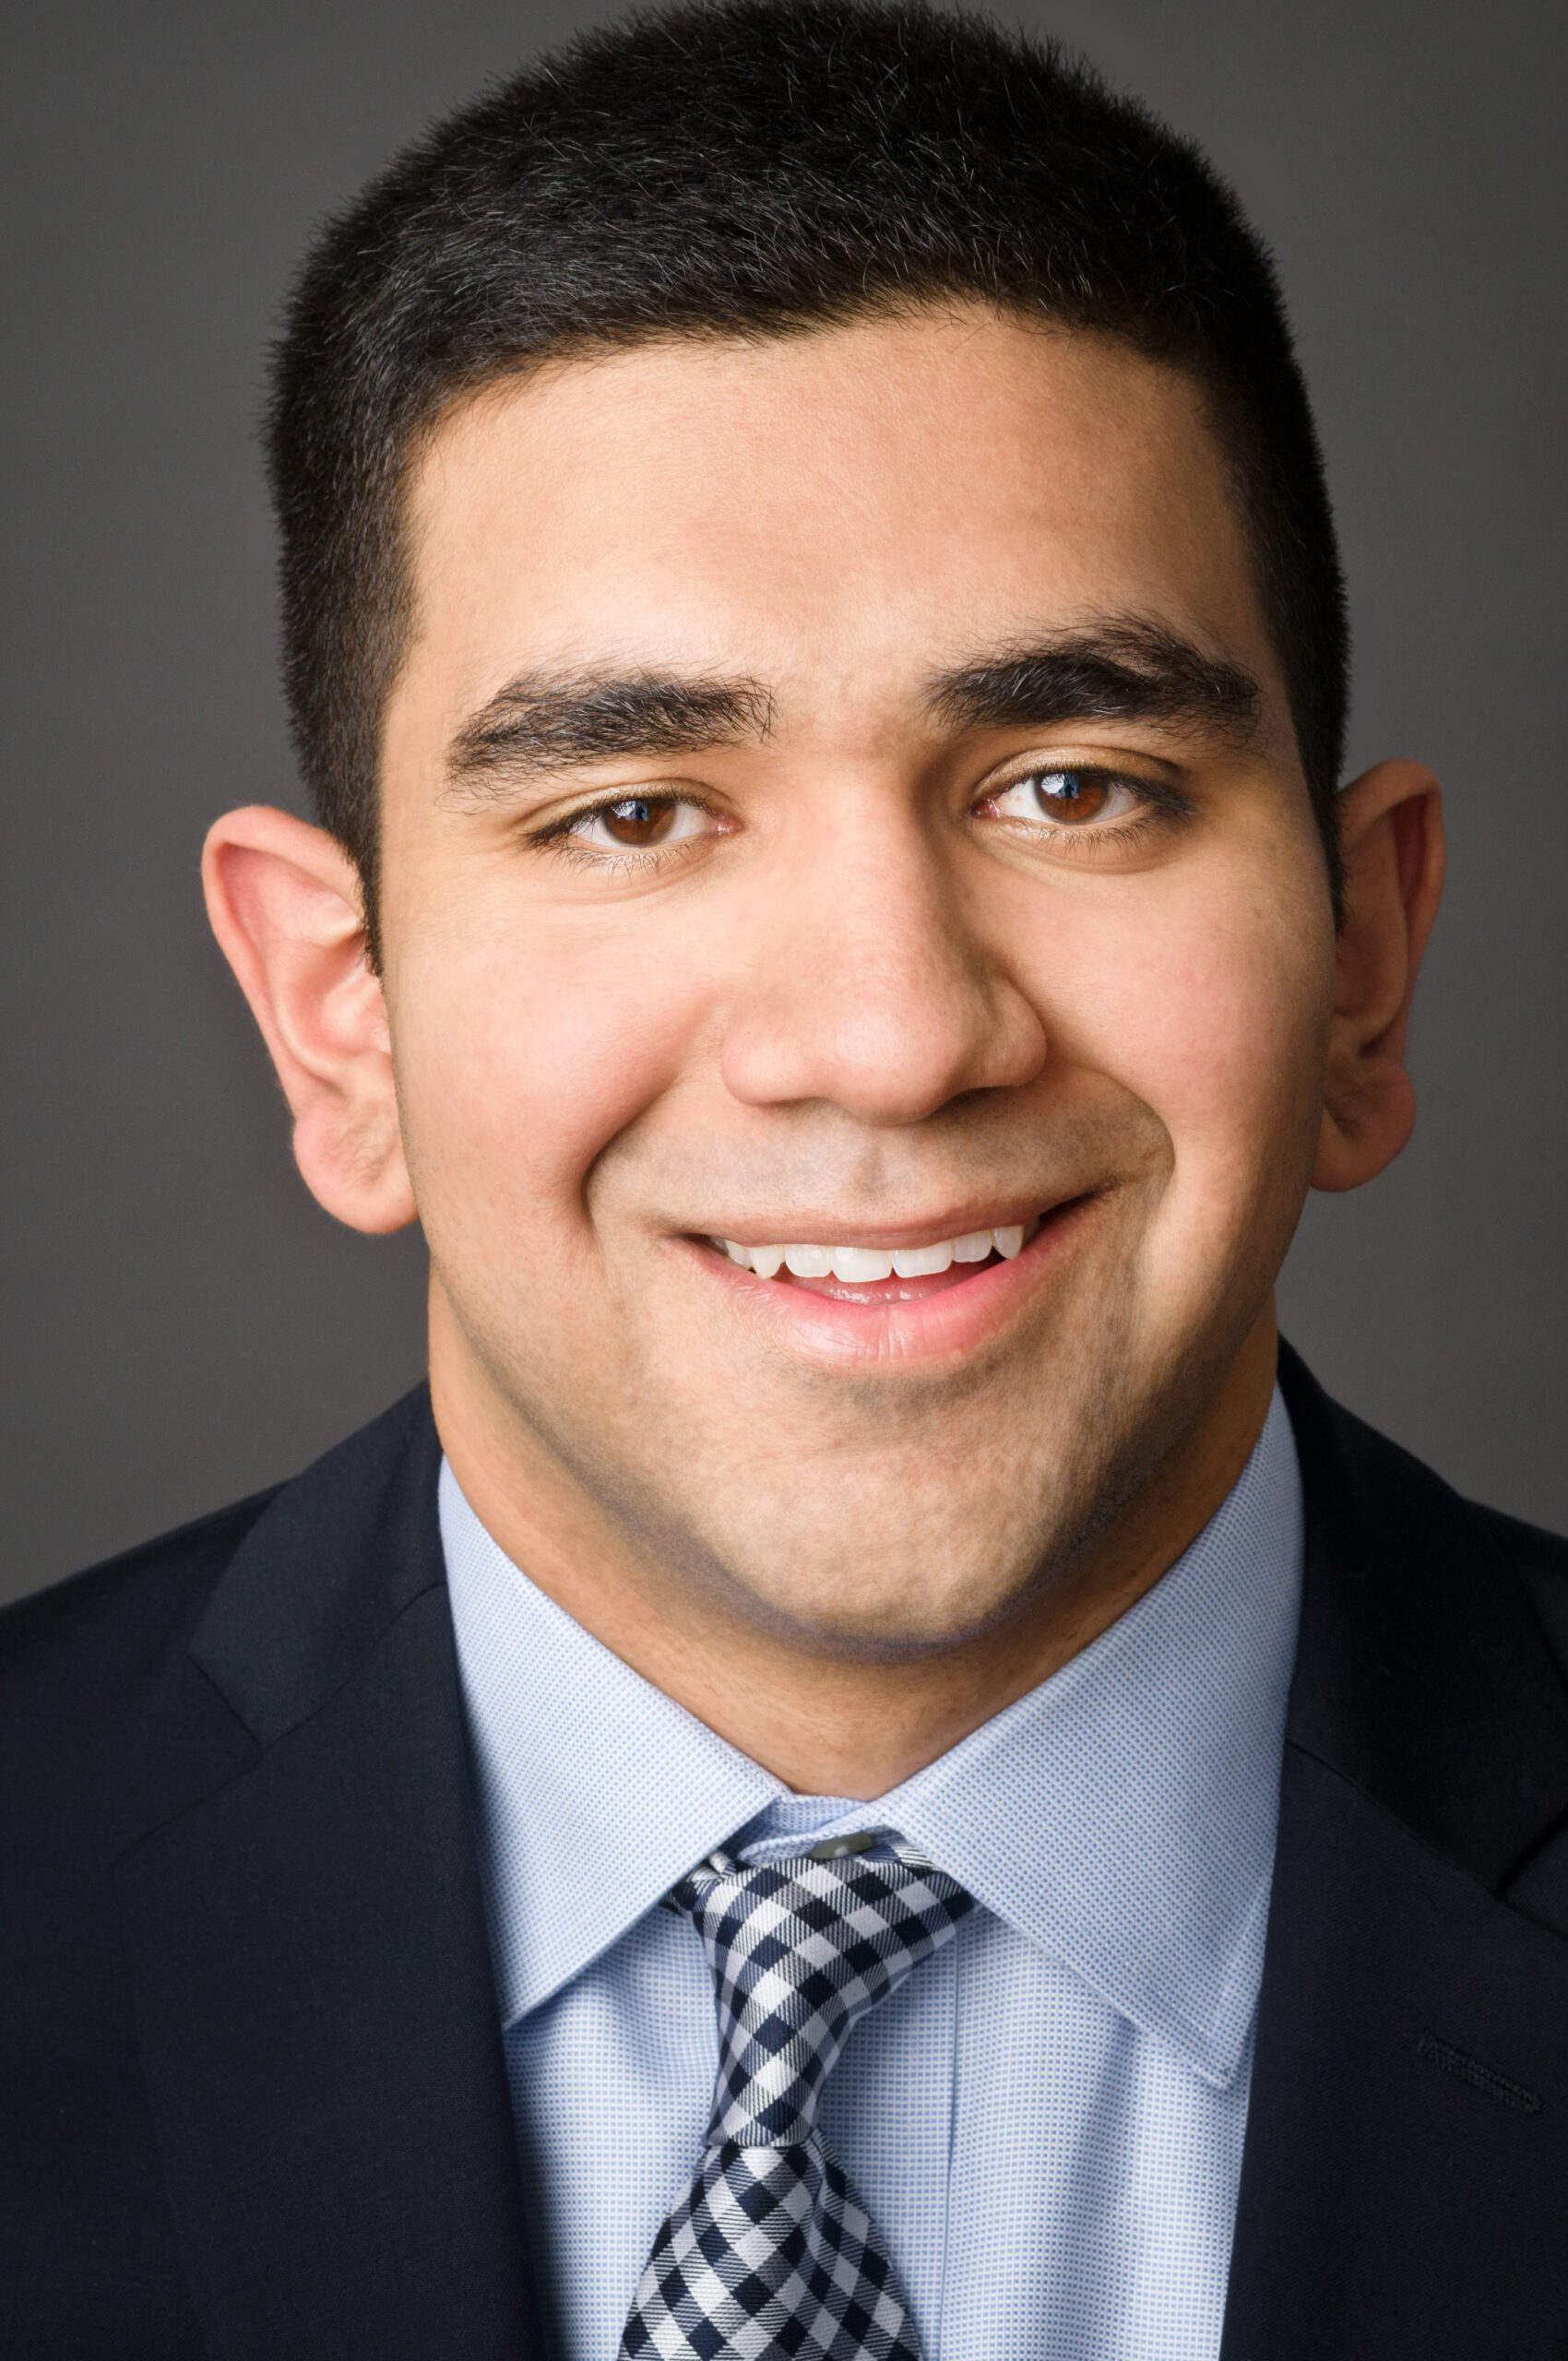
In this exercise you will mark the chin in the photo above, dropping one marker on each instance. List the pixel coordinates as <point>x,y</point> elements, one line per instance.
<point>901,1609</point>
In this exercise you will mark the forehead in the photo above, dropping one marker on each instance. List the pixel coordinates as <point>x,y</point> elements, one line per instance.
<point>826,511</point>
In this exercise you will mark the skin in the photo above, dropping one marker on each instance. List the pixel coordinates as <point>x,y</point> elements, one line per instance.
<point>874,993</point>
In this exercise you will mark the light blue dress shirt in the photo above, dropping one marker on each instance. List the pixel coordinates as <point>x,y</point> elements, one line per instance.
<point>1046,2122</point>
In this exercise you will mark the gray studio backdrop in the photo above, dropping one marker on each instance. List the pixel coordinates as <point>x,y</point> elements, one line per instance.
<point>184,1324</point>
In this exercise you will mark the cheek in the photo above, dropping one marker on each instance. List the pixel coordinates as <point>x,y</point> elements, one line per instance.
<point>522,1053</point>
<point>1215,1019</point>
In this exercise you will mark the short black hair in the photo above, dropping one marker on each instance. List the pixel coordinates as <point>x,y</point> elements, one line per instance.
<point>759,167</point>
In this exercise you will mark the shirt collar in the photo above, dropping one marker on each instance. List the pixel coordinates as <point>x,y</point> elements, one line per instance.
<point>1121,1815</point>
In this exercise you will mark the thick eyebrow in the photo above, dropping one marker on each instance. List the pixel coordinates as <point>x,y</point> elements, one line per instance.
<point>1124,671</point>
<point>545,722</point>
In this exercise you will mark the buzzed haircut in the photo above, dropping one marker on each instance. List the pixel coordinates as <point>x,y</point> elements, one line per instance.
<point>760,168</point>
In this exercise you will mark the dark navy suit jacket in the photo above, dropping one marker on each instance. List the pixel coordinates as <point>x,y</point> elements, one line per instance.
<point>252,2098</point>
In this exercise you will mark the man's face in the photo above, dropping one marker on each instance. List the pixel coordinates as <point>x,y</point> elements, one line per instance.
<point>824,808</point>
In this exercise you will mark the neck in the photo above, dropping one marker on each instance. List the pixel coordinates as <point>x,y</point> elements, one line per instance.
<point>827,1723</point>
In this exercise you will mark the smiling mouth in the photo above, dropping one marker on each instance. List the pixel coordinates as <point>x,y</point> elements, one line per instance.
<point>860,1274</point>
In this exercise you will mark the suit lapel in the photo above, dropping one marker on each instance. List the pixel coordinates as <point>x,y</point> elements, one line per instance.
<point>316,2003</point>
<point>1407,2140</point>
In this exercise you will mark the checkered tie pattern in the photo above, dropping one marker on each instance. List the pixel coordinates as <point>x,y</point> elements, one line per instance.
<point>770,2251</point>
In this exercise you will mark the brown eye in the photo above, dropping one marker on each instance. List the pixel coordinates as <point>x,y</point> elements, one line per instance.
<point>1071,795</point>
<point>1064,798</point>
<point>641,823</point>
<point>640,820</point>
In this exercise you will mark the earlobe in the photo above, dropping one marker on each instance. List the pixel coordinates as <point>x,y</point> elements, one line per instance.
<point>284,902</point>
<point>1391,839</point>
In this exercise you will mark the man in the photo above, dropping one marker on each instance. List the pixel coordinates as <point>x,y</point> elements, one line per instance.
<point>858,1777</point>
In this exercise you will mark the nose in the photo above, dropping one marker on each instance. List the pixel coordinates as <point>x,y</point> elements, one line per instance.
<point>867,985</point>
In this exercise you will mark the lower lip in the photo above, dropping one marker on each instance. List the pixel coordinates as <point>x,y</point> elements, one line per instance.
<point>944,1318</point>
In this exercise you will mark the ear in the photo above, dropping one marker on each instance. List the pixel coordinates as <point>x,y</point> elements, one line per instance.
<point>285,904</point>
<point>1391,838</point>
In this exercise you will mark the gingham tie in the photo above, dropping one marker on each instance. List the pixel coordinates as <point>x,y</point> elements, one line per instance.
<point>770,2251</point>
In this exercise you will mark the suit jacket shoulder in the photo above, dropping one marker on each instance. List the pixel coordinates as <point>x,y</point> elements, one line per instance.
<point>100,1707</point>
<point>82,1663</point>
<point>1540,1560</point>
<point>252,2098</point>
<point>1406,2167</point>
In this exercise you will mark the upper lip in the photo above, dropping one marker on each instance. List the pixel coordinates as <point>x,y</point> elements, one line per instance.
<point>808,1229</point>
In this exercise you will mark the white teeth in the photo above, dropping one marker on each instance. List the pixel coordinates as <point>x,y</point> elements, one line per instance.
<point>862,1262</point>
<point>865,1265</point>
<point>923,1261</point>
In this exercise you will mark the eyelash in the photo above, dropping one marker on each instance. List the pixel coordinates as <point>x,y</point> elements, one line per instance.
<point>1162,806</point>
<point>559,836</point>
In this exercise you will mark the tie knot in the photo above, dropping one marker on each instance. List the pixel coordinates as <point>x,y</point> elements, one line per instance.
<point>800,1951</point>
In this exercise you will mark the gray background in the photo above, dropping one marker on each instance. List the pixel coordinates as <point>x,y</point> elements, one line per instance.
<point>184,1324</point>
